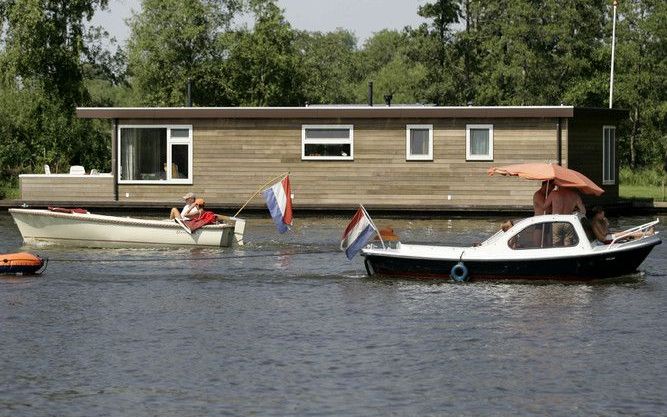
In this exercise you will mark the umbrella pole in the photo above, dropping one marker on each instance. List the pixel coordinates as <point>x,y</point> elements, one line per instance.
<point>544,211</point>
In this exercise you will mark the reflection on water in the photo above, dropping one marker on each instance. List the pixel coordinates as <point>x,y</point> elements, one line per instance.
<point>269,329</point>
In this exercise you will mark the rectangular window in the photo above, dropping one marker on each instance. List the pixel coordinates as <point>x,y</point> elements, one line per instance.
<point>608,155</point>
<point>419,142</point>
<point>330,142</point>
<point>155,154</point>
<point>479,142</point>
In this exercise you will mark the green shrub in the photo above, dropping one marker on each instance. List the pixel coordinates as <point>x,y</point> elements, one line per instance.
<point>642,176</point>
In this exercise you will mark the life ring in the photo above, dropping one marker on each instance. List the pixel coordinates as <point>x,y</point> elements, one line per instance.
<point>459,272</point>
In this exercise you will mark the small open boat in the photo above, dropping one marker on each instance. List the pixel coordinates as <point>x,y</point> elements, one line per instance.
<point>95,230</point>
<point>529,250</point>
<point>22,263</point>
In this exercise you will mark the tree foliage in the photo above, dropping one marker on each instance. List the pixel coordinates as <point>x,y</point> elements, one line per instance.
<point>264,64</point>
<point>172,41</point>
<point>508,52</point>
<point>42,83</point>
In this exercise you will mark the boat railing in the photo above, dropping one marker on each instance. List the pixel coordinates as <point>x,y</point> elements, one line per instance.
<point>642,228</point>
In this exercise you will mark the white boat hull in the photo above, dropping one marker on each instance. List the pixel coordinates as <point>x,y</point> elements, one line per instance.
<point>94,230</point>
<point>515,254</point>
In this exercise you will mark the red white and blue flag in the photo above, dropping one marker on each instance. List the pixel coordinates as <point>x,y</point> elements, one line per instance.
<point>278,199</point>
<point>358,233</point>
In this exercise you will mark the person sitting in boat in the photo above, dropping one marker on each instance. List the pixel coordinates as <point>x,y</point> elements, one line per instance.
<point>600,227</point>
<point>564,201</point>
<point>200,207</point>
<point>200,204</point>
<point>506,225</point>
<point>189,211</point>
<point>540,197</point>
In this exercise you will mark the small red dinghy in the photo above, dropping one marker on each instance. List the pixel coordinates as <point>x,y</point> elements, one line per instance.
<point>21,263</point>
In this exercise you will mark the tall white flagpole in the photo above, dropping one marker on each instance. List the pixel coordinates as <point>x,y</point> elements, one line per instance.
<point>613,50</point>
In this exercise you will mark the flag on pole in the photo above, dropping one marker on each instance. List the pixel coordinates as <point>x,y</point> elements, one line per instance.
<point>358,233</point>
<point>278,199</point>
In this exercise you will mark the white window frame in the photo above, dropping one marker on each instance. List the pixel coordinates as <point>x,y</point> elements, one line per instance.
<point>487,157</point>
<point>305,141</point>
<point>612,161</point>
<point>170,141</point>
<point>408,155</point>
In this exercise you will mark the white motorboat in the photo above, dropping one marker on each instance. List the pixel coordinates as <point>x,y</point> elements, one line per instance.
<point>529,250</point>
<point>95,230</point>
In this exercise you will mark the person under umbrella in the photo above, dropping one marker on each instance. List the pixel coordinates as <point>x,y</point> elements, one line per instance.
<point>540,197</point>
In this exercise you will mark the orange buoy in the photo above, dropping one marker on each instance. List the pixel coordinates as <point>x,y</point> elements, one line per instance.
<point>21,263</point>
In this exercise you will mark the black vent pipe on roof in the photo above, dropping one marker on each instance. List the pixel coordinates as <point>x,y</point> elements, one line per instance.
<point>189,95</point>
<point>370,93</point>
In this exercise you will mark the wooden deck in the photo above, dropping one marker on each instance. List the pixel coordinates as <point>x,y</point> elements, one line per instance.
<point>66,187</point>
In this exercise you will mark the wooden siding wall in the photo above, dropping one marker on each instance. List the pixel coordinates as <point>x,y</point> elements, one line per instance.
<point>233,157</point>
<point>585,152</point>
<point>66,188</point>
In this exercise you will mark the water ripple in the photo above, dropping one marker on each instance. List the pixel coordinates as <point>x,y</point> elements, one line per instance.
<point>210,332</point>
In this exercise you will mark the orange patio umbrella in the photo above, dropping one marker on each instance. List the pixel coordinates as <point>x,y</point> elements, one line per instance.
<point>561,176</point>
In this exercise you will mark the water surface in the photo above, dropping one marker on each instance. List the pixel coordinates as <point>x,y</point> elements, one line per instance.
<point>271,330</point>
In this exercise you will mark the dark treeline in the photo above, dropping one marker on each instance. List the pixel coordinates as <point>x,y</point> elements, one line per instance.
<point>469,52</point>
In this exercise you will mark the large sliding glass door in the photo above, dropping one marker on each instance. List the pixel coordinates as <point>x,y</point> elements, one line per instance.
<point>155,154</point>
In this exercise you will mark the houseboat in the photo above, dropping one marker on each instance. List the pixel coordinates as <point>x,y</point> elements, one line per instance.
<point>395,158</point>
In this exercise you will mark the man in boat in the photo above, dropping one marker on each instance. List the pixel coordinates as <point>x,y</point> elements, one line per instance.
<point>540,196</point>
<point>564,201</point>
<point>189,211</point>
<point>600,229</point>
<point>542,236</point>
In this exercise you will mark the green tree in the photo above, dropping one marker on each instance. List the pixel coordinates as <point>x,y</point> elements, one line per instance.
<point>522,52</point>
<point>385,60</point>
<point>433,48</point>
<point>263,64</point>
<point>329,62</point>
<point>42,82</point>
<point>44,42</point>
<point>105,71</point>
<point>173,40</point>
<point>641,80</point>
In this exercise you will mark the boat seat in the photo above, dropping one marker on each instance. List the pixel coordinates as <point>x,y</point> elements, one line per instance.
<point>77,170</point>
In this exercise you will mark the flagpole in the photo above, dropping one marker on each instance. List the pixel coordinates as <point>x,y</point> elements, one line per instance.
<point>278,177</point>
<point>613,50</point>
<point>377,231</point>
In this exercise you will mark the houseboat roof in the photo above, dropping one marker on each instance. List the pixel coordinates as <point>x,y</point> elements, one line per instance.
<point>334,111</point>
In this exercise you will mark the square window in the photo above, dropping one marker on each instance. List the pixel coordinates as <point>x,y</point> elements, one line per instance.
<point>479,142</point>
<point>327,142</point>
<point>419,142</point>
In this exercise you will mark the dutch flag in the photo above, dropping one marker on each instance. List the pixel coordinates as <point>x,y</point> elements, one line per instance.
<point>358,233</point>
<point>278,199</point>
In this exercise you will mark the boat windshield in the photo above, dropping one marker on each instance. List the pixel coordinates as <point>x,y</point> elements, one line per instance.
<point>543,235</point>
<point>493,238</point>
